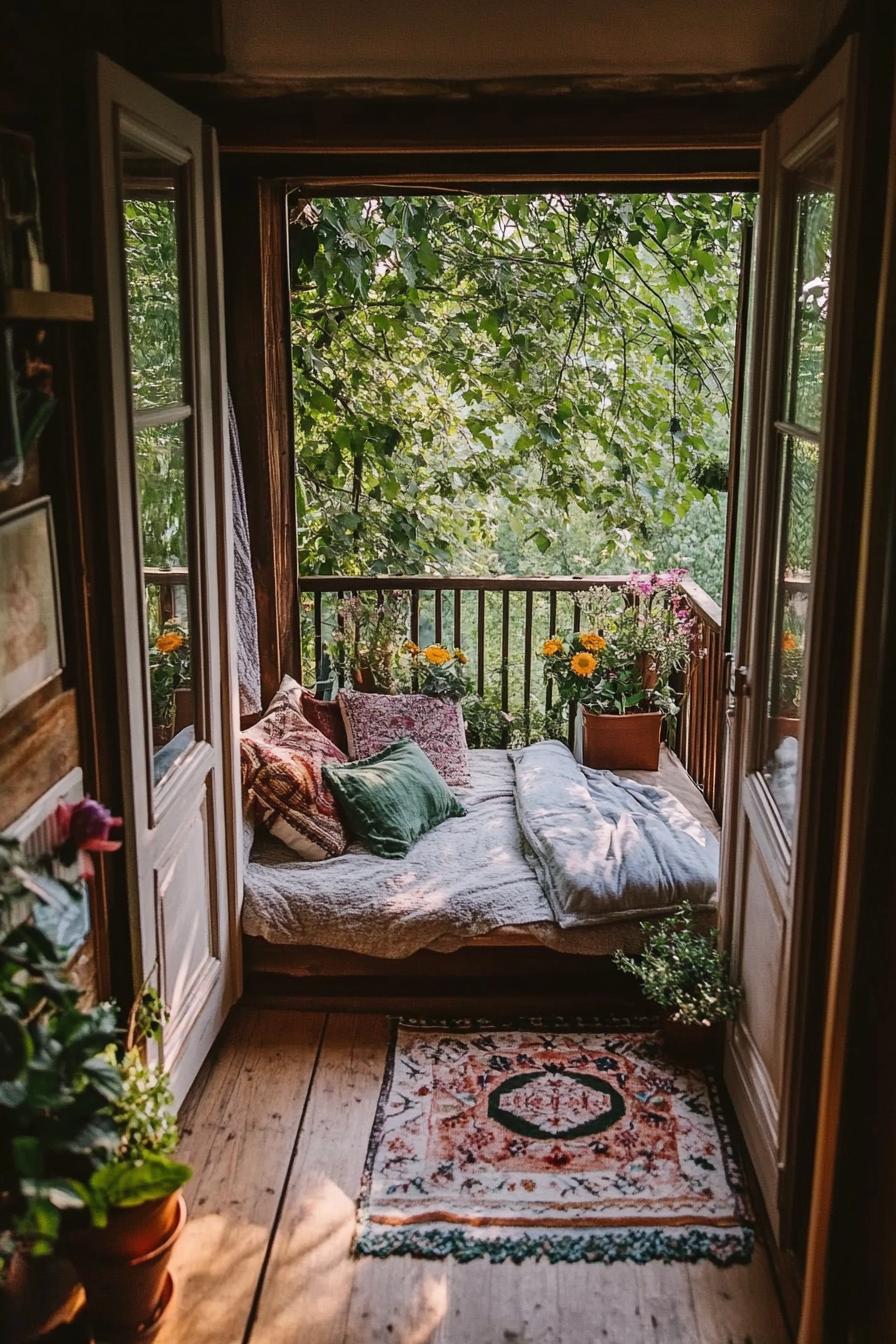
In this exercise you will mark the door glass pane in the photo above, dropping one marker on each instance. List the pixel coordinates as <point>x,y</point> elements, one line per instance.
<point>798,461</point>
<point>814,210</point>
<point>163,436</point>
<point>153,279</point>
<point>793,583</point>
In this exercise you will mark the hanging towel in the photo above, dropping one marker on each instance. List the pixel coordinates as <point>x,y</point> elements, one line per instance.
<point>247,664</point>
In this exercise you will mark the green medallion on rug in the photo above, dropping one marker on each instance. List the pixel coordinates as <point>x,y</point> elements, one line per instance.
<point>556,1140</point>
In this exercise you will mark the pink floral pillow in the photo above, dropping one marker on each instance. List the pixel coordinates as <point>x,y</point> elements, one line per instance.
<point>373,722</point>
<point>281,758</point>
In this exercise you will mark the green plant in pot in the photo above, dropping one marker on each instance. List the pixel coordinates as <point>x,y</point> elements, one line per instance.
<point>169,672</point>
<point>135,1210</point>
<point>627,667</point>
<point>685,973</point>
<point>367,644</point>
<point>86,1132</point>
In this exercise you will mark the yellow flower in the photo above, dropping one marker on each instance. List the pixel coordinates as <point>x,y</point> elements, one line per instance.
<point>593,642</point>
<point>436,654</point>
<point>410,647</point>
<point>552,646</point>
<point>788,642</point>
<point>583,664</point>
<point>461,657</point>
<point>168,643</point>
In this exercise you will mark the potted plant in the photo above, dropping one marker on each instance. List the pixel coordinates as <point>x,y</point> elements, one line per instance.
<point>685,974</point>
<point>169,676</point>
<point>621,666</point>
<point>134,1212</point>
<point>436,671</point>
<point>786,721</point>
<point>368,640</point>
<point>86,1131</point>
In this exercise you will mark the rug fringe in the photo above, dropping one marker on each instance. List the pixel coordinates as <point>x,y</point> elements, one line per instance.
<point>728,1246</point>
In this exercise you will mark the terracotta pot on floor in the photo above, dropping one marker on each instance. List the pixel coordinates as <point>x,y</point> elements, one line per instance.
<point>691,1043</point>
<point>124,1268</point>
<point>621,741</point>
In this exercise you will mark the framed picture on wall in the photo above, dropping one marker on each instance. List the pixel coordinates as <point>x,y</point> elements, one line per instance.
<point>30,625</point>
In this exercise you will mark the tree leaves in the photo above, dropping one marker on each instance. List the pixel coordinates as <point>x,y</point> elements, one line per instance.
<point>505,353</point>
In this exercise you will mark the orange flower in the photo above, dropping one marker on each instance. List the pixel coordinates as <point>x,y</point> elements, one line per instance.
<point>437,655</point>
<point>592,641</point>
<point>552,646</point>
<point>410,647</point>
<point>583,664</point>
<point>461,657</point>
<point>168,643</point>
<point>788,642</point>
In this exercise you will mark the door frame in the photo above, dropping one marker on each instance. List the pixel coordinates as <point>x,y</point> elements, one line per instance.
<point>848,354</point>
<point>153,814</point>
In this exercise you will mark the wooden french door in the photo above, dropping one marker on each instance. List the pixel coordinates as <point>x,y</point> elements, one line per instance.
<point>169,500</point>
<point>783,606</point>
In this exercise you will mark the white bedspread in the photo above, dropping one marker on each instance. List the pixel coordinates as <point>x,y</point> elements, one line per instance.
<point>464,879</point>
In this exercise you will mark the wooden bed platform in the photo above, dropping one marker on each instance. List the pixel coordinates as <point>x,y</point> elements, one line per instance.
<point>508,965</point>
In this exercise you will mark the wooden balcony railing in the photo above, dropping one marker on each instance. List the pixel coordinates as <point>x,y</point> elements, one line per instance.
<point>500,621</point>
<point>166,595</point>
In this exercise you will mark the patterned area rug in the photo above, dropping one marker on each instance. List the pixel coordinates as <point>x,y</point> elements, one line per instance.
<point>566,1141</point>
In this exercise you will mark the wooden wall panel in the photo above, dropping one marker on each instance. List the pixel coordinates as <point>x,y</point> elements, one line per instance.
<point>36,750</point>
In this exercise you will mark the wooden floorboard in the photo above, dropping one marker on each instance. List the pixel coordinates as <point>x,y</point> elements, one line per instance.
<point>240,1125</point>
<point>277,1130</point>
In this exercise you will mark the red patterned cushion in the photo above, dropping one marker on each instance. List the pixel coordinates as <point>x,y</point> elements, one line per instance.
<point>281,758</point>
<point>326,717</point>
<point>373,722</point>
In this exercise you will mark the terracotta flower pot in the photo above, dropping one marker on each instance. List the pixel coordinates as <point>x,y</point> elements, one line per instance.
<point>621,741</point>
<point>691,1042</point>
<point>124,1267</point>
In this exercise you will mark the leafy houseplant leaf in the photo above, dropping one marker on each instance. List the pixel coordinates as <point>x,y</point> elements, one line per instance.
<point>123,1185</point>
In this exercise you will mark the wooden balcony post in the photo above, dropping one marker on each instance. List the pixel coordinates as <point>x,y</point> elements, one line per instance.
<point>253,213</point>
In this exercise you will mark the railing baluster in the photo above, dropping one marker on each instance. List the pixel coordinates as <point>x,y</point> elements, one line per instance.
<point>573,709</point>
<point>552,629</point>
<point>700,731</point>
<point>527,662</point>
<point>505,650</point>
<point>415,617</point>
<point>318,637</point>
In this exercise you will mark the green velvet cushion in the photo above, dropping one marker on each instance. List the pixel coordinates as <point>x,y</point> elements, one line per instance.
<point>389,800</point>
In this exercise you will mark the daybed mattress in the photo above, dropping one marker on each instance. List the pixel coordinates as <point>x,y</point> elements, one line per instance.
<point>463,881</point>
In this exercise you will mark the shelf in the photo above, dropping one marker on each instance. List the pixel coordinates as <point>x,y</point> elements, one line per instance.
<point>36,305</point>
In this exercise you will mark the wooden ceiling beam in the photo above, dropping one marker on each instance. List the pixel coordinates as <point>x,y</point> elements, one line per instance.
<point>512,123</point>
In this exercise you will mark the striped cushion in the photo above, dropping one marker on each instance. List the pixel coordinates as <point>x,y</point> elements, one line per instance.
<point>282,757</point>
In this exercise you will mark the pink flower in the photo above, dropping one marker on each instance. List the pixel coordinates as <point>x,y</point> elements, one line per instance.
<point>84,828</point>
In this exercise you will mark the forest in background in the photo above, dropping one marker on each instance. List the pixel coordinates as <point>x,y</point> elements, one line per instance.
<point>532,384</point>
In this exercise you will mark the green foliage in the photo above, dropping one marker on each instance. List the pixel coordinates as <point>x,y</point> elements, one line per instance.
<point>169,669</point>
<point>121,1185</point>
<point>460,359</point>
<point>633,642</point>
<point>57,1081</point>
<point>368,638</point>
<point>683,971</point>
<point>83,1125</point>
<point>437,671</point>
<point>487,724</point>
<point>150,244</point>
